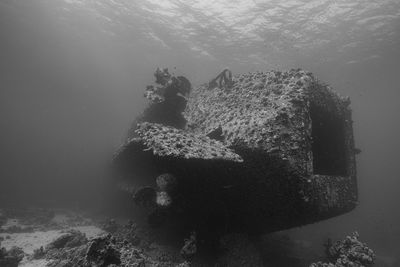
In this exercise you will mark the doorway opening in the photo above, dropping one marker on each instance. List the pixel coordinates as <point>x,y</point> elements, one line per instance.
<point>328,142</point>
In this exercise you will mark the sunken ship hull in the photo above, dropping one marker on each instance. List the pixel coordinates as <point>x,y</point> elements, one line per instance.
<point>273,150</point>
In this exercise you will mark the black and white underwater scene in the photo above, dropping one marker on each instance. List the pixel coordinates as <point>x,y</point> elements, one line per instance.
<point>157,133</point>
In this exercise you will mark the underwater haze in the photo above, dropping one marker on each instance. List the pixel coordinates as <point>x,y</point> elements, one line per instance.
<point>73,74</point>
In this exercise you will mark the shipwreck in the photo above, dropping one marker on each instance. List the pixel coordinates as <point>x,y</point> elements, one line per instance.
<point>253,153</point>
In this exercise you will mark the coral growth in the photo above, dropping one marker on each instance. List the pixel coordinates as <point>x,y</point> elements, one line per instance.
<point>169,141</point>
<point>349,252</point>
<point>171,86</point>
<point>167,100</point>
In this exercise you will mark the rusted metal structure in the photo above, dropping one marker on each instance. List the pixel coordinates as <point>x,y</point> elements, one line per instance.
<point>268,151</point>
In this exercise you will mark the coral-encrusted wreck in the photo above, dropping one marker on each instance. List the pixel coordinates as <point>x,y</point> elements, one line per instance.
<point>266,151</point>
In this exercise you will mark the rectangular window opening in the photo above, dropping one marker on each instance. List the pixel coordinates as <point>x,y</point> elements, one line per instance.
<point>328,142</point>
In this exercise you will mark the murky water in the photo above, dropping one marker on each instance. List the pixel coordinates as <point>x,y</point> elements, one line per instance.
<point>73,73</point>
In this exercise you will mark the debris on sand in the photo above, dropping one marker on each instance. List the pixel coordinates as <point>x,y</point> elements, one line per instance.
<point>38,253</point>
<point>131,244</point>
<point>349,252</point>
<point>124,247</point>
<point>72,238</point>
<point>69,247</point>
<point>102,251</point>
<point>11,257</point>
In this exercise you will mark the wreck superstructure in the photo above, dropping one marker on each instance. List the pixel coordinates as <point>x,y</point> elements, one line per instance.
<point>271,151</point>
